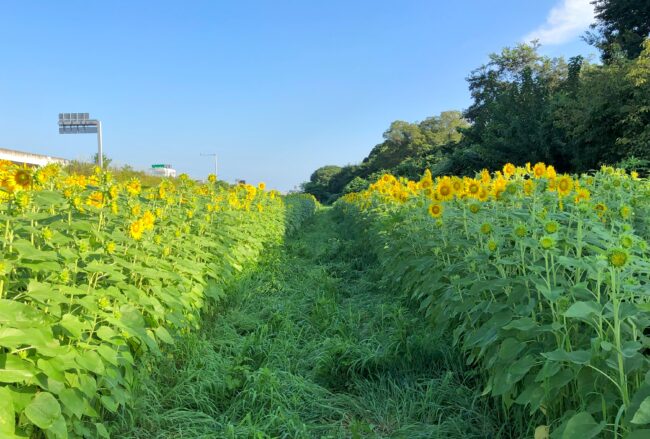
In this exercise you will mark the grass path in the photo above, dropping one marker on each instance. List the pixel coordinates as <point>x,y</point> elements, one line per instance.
<point>307,345</point>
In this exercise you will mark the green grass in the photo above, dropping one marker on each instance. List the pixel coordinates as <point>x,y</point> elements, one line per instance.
<point>307,345</point>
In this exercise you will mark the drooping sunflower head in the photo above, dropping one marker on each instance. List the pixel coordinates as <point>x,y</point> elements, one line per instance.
<point>625,211</point>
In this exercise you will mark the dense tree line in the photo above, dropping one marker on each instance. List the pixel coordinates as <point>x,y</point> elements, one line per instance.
<point>527,107</point>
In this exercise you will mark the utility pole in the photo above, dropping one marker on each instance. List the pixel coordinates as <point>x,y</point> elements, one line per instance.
<point>81,123</point>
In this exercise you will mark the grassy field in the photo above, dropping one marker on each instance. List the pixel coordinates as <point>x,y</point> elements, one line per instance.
<point>307,345</point>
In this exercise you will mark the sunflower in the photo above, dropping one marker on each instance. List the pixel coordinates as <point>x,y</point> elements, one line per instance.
<point>472,188</point>
<point>445,189</point>
<point>529,187</point>
<point>486,228</point>
<point>564,185</point>
<point>457,185</point>
<point>483,194</point>
<point>582,194</point>
<point>435,210</point>
<point>261,186</point>
<point>550,172</point>
<point>96,199</point>
<point>539,170</point>
<point>547,242</point>
<point>136,229</point>
<point>551,227</point>
<point>509,170</point>
<point>617,257</point>
<point>600,208</point>
<point>134,187</point>
<point>23,178</point>
<point>625,211</point>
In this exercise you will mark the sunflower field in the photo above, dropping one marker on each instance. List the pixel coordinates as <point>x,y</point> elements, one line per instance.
<point>95,273</point>
<point>543,279</point>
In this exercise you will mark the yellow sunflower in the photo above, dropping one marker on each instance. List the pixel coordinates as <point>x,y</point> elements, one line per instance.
<point>445,189</point>
<point>539,170</point>
<point>435,210</point>
<point>564,185</point>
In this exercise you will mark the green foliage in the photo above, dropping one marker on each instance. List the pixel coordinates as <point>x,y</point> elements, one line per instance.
<point>83,297</point>
<point>307,345</point>
<point>408,149</point>
<point>549,300</point>
<point>621,26</point>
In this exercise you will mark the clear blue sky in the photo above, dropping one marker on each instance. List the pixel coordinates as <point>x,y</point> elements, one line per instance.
<point>276,88</point>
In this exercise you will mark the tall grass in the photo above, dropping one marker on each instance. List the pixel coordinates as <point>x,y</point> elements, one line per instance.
<point>308,346</point>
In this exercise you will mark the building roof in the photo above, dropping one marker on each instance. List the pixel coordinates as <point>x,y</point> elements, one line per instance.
<point>29,158</point>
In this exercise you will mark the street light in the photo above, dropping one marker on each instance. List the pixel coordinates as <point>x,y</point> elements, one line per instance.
<point>80,123</point>
<point>215,161</point>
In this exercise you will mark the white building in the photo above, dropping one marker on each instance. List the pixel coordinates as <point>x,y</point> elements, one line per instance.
<point>163,171</point>
<point>28,158</point>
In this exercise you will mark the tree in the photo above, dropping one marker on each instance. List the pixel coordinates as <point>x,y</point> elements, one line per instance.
<point>511,113</point>
<point>319,182</point>
<point>622,26</point>
<point>106,160</point>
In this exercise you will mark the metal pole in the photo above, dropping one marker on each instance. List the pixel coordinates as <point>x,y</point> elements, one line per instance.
<point>100,154</point>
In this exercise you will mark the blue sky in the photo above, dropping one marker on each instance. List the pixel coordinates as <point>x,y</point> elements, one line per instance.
<point>276,88</point>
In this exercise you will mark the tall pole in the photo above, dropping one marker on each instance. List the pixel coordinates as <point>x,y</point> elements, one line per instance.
<point>100,154</point>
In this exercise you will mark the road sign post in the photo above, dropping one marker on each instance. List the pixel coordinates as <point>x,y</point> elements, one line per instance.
<point>80,123</point>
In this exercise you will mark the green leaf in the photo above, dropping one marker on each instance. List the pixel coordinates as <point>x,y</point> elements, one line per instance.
<point>109,403</point>
<point>7,413</point>
<point>164,335</point>
<point>576,357</point>
<point>44,410</point>
<point>91,361</point>
<point>582,425</point>
<point>73,400</point>
<point>639,434</point>
<point>108,353</point>
<point>73,325</point>
<point>101,431</point>
<point>524,324</point>
<point>582,310</point>
<point>642,415</point>
<point>14,370</point>
<point>20,315</point>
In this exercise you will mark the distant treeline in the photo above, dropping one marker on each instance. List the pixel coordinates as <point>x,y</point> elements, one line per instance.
<point>527,107</point>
